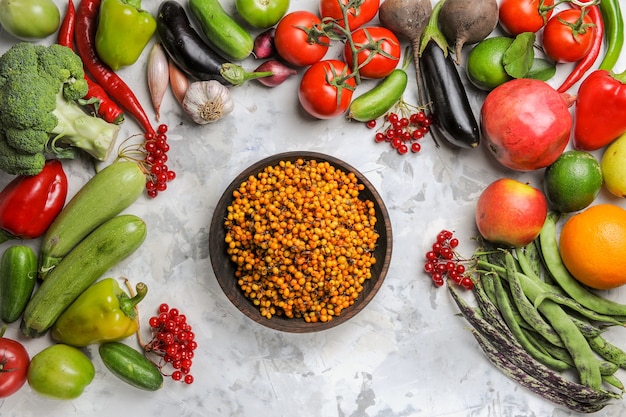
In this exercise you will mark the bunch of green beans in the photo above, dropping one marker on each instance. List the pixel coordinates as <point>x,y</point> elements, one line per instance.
<point>534,322</point>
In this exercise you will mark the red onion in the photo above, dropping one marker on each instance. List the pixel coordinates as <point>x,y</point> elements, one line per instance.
<point>264,44</point>
<point>280,72</point>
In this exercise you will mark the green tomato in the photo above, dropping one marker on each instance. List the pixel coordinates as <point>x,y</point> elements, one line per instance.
<point>60,371</point>
<point>29,19</point>
<point>262,13</point>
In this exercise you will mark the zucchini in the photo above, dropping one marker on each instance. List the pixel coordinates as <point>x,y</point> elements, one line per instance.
<point>130,366</point>
<point>18,275</point>
<point>102,249</point>
<point>377,101</point>
<point>104,196</point>
<point>221,30</point>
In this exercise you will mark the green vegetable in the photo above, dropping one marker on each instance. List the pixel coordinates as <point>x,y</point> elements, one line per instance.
<point>377,101</point>
<point>102,249</point>
<point>558,271</point>
<point>61,372</point>
<point>29,19</point>
<point>613,32</point>
<point>222,30</point>
<point>39,112</point>
<point>124,30</point>
<point>131,366</point>
<point>18,275</point>
<point>102,313</point>
<point>105,195</point>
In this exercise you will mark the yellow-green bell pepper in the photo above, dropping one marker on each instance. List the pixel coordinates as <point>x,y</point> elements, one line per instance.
<point>102,313</point>
<point>124,30</point>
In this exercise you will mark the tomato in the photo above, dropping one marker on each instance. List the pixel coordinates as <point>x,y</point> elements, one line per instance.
<point>299,40</point>
<point>326,89</point>
<point>262,13</point>
<point>362,11</point>
<point>568,36</point>
<point>14,362</point>
<point>518,16</point>
<point>378,51</point>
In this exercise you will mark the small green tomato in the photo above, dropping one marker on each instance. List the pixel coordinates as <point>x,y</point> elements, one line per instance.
<point>262,13</point>
<point>60,371</point>
<point>29,19</point>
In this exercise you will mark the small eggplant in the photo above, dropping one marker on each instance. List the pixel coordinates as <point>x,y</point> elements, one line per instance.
<point>453,118</point>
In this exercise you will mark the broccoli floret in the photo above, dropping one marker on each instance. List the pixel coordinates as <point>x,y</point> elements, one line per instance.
<point>40,114</point>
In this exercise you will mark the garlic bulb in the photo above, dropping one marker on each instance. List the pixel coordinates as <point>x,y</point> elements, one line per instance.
<point>207,101</point>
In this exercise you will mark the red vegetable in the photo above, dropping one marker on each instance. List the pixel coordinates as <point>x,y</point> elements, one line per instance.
<point>569,35</point>
<point>359,12</point>
<point>14,362</point>
<point>96,95</point>
<point>326,89</point>
<point>585,64</point>
<point>86,26</point>
<point>300,38</point>
<point>378,51</point>
<point>600,114</point>
<point>28,204</point>
<point>518,16</point>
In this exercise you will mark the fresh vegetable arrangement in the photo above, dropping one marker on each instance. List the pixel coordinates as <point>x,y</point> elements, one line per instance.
<point>552,325</point>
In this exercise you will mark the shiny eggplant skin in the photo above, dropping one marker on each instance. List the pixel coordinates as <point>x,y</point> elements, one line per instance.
<point>185,46</point>
<point>453,118</point>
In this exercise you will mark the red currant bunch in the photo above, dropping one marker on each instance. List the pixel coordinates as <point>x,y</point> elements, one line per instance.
<point>403,128</point>
<point>173,341</point>
<point>443,263</point>
<point>155,159</point>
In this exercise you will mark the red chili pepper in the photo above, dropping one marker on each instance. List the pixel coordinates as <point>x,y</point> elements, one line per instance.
<point>600,113</point>
<point>96,95</point>
<point>29,204</point>
<point>86,26</point>
<point>585,64</point>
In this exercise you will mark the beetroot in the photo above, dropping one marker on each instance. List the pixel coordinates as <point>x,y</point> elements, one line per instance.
<point>526,124</point>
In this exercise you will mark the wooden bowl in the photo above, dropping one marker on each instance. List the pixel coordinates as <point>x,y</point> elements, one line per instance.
<point>224,268</point>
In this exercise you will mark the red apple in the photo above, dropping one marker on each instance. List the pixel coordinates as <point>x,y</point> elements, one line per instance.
<point>511,213</point>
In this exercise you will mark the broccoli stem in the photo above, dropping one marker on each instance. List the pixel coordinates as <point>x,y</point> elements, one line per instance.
<point>80,130</point>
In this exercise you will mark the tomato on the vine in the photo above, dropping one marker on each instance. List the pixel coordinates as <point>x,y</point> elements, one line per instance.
<point>518,16</point>
<point>378,51</point>
<point>14,362</point>
<point>568,36</point>
<point>300,39</point>
<point>326,89</point>
<point>359,12</point>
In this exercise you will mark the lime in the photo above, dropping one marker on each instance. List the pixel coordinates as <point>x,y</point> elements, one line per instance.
<point>573,181</point>
<point>484,63</point>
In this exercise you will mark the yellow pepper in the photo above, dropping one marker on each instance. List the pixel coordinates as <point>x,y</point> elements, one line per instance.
<point>102,313</point>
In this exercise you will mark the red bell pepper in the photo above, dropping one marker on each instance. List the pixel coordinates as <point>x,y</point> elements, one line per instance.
<point>600,115</point>
<point>29,204</point>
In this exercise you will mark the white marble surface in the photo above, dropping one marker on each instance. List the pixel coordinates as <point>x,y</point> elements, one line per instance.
<point>405,355</point>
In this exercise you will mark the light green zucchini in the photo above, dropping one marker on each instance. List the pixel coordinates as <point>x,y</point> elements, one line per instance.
<point>18,275</point>
<point>221,30</point>
<point>102,249</point>
<point>130,366</point>
<point>105,195</point>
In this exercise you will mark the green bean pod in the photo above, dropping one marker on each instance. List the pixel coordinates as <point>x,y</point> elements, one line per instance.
<point>608,351</point>
<point>380,99</point>
<point>556,268</point>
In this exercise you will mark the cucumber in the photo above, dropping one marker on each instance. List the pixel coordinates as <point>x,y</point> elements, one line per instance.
<point>377,101</point>
<point>105,195</point>
<point>18,275</point>
<point>130,366</point>
<point>102,249</point>
<point>221,30</point>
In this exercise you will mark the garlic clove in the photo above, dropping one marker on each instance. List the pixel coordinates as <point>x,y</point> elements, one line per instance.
<point>207,101</point>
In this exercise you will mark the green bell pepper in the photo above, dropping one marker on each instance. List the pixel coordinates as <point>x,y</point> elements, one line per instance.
<point>124,30</point>
<point>102,313</point>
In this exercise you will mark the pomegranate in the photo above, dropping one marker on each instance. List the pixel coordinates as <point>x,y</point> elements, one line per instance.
<point>526,124</point>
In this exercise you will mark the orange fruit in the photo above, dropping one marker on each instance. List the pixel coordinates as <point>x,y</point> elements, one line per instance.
<point>593,246</point>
